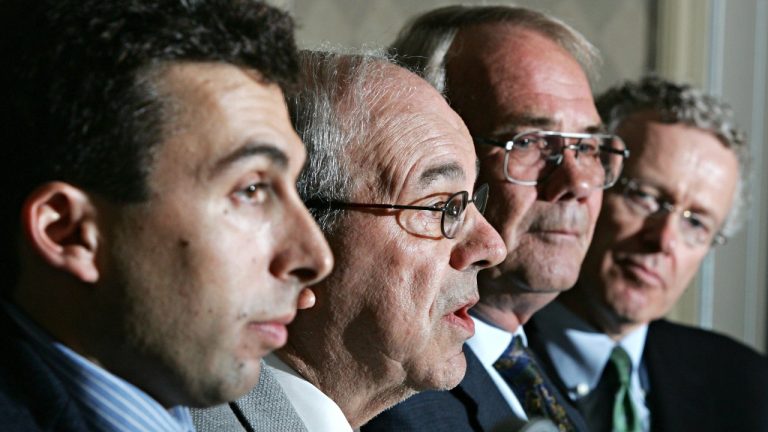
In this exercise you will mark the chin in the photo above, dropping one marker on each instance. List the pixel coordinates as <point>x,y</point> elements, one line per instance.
<point>448,376</point>
<point>233,382</point>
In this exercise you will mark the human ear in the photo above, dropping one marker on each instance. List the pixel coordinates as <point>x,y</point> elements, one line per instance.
<point>59,223</point>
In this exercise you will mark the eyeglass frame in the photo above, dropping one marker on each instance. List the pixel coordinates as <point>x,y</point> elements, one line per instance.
<point>323,204</point>
<point>718,239</point>
<point>507,145</point>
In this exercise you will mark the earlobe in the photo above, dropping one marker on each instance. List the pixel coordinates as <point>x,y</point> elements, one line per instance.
<point>60,226</point>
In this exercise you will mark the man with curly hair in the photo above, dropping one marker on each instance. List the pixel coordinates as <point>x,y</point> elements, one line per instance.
<point>605,341</point>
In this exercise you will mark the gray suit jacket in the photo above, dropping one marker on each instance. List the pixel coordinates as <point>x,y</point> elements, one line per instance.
<point>266,408</point>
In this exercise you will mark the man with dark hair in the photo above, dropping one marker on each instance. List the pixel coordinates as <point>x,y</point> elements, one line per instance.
<point>519,80</point>
<point>681,194</point>
<point>391,179</point>
<point>154,244</point>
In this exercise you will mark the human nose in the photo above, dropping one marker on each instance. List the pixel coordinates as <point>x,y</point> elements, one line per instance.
<point>572,179</point>
<point>662,232</point>
<point>305,255</point>
<point>480,246</point>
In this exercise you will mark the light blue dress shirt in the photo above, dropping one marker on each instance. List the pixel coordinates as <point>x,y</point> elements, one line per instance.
<point>109,402</point>
<point>580,353</point>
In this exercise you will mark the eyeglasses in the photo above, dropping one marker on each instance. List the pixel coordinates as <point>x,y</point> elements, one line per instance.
<point>452,209</point>
<point>695,228</point>
<point>533,156</point>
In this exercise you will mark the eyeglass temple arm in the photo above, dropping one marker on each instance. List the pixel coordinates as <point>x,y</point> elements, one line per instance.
<point>623,153</point>
<point>338,205</point>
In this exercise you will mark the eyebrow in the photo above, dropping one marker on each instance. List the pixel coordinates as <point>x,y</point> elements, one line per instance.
<point>450,171</point>
<point>540,122</point>
<point>248,150</point>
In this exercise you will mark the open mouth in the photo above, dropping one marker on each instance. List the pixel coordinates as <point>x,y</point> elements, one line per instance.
<point>460,318</point>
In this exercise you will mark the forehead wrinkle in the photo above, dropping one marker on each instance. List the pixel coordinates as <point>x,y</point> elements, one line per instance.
<point>412,131</point>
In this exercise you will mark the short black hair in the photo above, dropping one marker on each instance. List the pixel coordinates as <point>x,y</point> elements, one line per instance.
<point>78,104</point>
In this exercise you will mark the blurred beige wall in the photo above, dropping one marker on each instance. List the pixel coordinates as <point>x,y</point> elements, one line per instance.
<point>619,28</point>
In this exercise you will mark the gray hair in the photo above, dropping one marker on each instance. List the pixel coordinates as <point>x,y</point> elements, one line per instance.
<point>423,44</point>
<point>681,103</point>
<point>332,114</point>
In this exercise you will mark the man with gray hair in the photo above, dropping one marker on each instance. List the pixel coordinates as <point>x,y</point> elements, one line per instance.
<point>518,78</point>
<point>391,180</point>
<point>605,340</point>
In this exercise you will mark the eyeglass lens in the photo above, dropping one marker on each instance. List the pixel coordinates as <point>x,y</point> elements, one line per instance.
<point>695,229</point>
<point>453,215</point>
<point>534,156</point>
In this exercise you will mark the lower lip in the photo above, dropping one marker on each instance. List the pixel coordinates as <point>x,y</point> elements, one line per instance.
<point>274,335</point>
<point>461,318</point>
<point>642,274</point>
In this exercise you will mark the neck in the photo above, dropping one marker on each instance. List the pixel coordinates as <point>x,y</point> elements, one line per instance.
<point>508,308</point>
<point>579,301</point>
<point>360,391</point>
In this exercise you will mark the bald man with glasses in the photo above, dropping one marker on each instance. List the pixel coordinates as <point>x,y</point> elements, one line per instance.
<point>605,342</point>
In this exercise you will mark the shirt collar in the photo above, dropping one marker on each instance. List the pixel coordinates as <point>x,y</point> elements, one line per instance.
<point>109,402</point>
<point>580,351</point>
<point>315,408</point>
<point>490,342</point>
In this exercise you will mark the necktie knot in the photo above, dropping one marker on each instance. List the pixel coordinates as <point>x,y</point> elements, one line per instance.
<point>623,364</point>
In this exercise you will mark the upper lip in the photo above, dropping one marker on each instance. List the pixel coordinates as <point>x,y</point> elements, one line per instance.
<point>284,319</point>
<point>466,303</point>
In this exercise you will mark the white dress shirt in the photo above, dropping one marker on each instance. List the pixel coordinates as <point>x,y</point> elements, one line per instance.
<point>488,344</point>
<point>580,353</point>
<point>318,412</point>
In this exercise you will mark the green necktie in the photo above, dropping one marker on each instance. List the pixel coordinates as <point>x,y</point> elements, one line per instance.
<point>625,417</point>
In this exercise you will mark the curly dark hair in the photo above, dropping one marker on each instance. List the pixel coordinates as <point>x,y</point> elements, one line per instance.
<point>80,102</point>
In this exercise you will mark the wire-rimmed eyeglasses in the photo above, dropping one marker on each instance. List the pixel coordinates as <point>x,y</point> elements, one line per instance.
<point>532,156</point>
<point>452,209</point>
<point>645,201</point>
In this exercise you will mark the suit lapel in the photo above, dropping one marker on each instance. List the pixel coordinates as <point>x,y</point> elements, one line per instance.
<point>677,394</point>
<point>266,407</point>
<point>551,377</point>
<point>486,407</point>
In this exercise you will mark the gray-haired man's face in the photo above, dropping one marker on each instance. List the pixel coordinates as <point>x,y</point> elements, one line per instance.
<point>639,264</point>
<point>504,81</point>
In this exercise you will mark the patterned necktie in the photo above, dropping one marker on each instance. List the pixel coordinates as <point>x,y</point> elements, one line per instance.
<point>625,418</point>
<point>518,368</point>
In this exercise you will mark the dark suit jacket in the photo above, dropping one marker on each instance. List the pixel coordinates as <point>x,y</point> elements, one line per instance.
<point>699,380</point>
<point>474,405</point>
<point>32,398</point>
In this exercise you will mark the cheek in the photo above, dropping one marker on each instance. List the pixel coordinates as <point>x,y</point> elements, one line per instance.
<point>687,266</point>
<point>508,208</point>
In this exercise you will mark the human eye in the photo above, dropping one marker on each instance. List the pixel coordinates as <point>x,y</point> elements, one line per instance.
<point>643,198</point>
<point>588,147</point>
<point>254,192</point>
<point>698,223</point>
